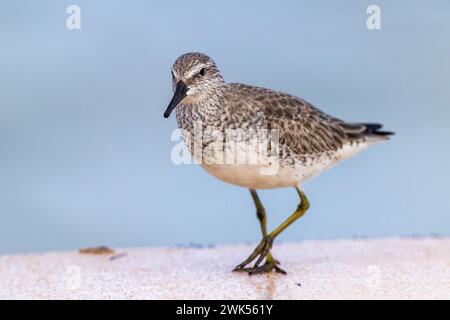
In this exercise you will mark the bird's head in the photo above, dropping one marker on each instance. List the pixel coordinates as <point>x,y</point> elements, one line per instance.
<point>195,78</point>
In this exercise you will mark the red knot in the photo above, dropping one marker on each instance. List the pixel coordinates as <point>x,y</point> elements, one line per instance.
<point>285,140</point>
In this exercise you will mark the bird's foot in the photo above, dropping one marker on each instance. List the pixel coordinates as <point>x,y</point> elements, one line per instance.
<point>266,267</point>
<point>261,251</point>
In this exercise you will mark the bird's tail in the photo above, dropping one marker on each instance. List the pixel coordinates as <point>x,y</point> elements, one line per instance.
<point>373,129</point>
<point>359,131</point>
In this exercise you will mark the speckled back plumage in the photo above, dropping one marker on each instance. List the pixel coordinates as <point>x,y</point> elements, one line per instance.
<point>304,128</point>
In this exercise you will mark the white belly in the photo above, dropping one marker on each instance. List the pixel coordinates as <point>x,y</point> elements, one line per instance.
<point>271,177</point>
<point>250,176</point>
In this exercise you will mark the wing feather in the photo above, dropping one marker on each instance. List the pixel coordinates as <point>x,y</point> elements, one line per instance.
<point>304,128</point>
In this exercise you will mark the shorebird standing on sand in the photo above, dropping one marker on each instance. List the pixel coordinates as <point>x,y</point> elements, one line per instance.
<point>308,140</point>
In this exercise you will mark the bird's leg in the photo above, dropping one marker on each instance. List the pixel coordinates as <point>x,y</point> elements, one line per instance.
<point>270,263</point>
<point>265,245</point>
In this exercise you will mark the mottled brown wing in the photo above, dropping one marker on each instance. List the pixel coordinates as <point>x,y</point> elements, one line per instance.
<point>301,127</point>
<point>306,130</point>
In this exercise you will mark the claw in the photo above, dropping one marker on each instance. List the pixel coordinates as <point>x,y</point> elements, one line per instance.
<point>261,251</point>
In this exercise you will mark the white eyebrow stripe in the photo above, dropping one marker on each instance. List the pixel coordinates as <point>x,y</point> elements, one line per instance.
<point>195,70</point>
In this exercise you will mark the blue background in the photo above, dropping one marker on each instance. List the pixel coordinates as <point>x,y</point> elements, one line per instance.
<point>85,151</point>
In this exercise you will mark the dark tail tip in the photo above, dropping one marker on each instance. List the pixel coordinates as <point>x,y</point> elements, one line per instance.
<point>373,129</point>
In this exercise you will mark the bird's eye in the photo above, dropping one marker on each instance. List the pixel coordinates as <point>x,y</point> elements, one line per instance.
<point>202,71</point>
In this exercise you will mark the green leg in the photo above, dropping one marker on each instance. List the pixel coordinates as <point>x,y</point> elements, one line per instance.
<point>271,262</point>
<point>266,243</point>
<point>260,212</point>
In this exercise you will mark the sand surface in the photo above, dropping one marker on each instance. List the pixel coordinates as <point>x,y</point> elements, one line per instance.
<point>399,268</point>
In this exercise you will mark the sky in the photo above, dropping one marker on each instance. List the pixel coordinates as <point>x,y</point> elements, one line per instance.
<point>85,151</point>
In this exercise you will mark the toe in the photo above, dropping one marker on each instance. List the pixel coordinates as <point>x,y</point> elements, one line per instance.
<point>279,270</point>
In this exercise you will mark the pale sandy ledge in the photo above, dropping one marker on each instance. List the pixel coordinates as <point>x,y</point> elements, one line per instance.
<point>392,268</point>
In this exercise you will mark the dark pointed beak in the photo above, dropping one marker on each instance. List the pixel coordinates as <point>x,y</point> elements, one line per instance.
<point>179,94</point>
